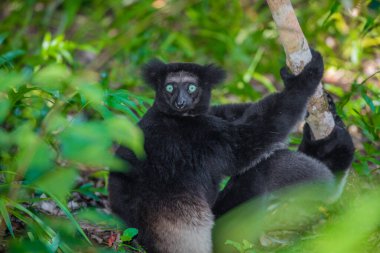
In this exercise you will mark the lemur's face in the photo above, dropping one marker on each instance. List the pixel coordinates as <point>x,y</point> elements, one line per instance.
<point>182,91</point>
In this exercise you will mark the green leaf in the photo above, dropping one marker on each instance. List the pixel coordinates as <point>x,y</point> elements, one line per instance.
<point>9,80</point>
<point>53,246</point>
<point>369,25</point>
<point>89,190</point>
<point>3,36</point>
<point>100,218</point>
<point>26,141</point>
<point>88,143</point>
<point>5,139</point>
<point>70,216</point>
<point>19,94</point>
<point>92,92</point>
<point>42,161</point>
<point>130,103</point>
<point>129,234</point>
<point>51,77</point>
<point>58,183</point>
<point>369,102</point>
<point>247,245</point>
<point>10,56</point>
<point>71,8</point>
<point>16,246</point>
<point>335,6</point>
<point>38,220</point>
<point>5,215</point>
<point>56,123</point>
<point>126,133</point>
<point>236,245</point>
<point>48,237</point>
<point>115,103</point>
<point>4,109</point>
<point>264,81</point>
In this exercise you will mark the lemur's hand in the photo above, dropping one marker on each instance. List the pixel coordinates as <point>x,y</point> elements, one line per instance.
<point>309,78</point>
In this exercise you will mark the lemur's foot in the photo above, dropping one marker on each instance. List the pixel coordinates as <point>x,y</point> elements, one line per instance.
<point>332,109</point>
<point>337,149</point>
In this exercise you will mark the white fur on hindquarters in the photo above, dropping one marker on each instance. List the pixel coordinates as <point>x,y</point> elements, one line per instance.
<point>186,229</point>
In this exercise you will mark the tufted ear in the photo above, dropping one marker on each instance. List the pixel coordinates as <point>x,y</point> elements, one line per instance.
<point>213,75</point>
<point>153,72</point>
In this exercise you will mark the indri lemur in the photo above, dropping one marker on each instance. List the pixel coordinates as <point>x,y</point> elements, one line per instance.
<point>171,195</point>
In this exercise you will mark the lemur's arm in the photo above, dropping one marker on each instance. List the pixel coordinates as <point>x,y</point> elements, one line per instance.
<point>265,125</point>
<point>128,156</point>
<point>229,112</point>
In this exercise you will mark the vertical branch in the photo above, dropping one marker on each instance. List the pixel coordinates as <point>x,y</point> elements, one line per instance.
<point>298,54</point>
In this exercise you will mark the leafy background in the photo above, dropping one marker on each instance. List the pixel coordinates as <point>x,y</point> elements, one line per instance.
<point>70,91</point>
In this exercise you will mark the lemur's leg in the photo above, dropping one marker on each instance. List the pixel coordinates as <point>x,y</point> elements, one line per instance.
<point>336,150</point>
<point>283,168</point>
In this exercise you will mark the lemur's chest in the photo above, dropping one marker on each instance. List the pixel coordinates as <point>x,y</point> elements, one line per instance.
<point>186,144</point>
<point>202,141</point>
<point>198,134</point>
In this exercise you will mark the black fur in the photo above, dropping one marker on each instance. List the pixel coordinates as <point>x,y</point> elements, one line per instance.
<point>171,193</point>
<point>316,160</point>
<point>155,71</point>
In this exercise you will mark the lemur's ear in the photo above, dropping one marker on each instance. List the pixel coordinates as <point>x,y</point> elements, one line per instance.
<point>213,75</point>
<point>153,72</point>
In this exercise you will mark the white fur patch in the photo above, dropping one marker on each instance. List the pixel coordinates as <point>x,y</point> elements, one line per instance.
<point>189,232</point>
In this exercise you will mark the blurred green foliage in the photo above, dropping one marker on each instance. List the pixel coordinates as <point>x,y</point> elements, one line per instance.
<point>70,90</point>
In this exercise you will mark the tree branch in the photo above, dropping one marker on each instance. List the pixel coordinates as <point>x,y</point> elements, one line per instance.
<point>298,54</point>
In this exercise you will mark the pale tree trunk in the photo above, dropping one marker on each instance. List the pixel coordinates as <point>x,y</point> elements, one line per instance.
<point>298,55</point>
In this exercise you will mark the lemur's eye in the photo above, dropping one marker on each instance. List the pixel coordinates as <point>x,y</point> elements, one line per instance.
<point>192,88</point>
<point>169,88</point>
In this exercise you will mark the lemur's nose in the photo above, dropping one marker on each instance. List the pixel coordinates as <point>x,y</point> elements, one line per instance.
<point>180,104</point>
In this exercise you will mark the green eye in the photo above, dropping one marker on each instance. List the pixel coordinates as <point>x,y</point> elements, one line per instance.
<point>169,88</point>
<point>192,88</point>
